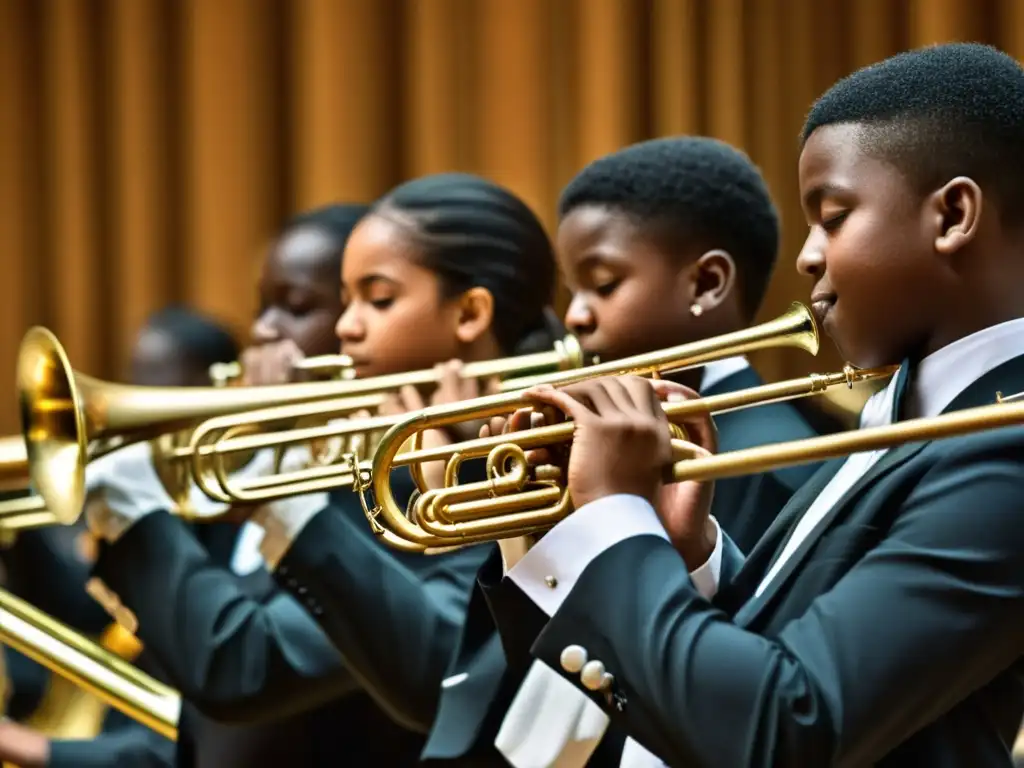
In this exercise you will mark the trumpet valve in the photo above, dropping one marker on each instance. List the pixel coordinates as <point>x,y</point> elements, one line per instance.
<point>547,473</point>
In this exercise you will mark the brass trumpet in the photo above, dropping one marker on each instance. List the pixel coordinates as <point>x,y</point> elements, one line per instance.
<point>795,328</point>
<point>69,418</point>
<point>333,366</point>
<point>513,501</point>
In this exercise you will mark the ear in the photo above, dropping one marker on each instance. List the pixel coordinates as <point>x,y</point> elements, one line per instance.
<point>957,207</point>
<point>713,276</point>
<point>476,312</point>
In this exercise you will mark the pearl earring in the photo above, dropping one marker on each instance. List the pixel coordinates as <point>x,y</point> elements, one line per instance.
<point>696,309</point>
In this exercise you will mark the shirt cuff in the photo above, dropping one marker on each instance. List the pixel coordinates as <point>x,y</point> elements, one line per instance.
<point>549,571</point>
<point>706,578</point>
<point>283,521</point>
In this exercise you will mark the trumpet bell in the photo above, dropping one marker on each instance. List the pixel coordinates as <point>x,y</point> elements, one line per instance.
<point>53,422</point>
<point>13,463</point>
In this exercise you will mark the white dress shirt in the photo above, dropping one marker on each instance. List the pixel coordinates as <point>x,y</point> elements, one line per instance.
<point>569,547</point>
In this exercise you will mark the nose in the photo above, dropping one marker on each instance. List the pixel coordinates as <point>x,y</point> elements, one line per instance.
<point>811,261</point>
<point>578,317</point>
<point>350,327</point>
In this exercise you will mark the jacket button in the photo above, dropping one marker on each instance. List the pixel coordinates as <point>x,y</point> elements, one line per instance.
<point>573,658</point>
<point>593,675</point>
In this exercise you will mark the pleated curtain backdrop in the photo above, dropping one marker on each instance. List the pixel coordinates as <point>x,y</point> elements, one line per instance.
<point>150,148</point>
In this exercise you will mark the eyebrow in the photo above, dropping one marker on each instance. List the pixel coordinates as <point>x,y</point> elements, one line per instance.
<point>814,195</point>
<point>597,259</point>
<point>368,280</point>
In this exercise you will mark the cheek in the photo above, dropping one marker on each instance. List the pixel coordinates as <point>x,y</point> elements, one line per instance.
<point>314,334</point>
<point>412,336</point>
<point>642,313</point>
<point>871,259</point>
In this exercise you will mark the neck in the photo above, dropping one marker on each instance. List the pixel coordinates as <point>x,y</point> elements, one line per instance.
<point>485,348</point>
<point>966,320</point>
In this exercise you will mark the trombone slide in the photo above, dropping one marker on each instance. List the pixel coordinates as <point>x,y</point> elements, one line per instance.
<point>1005,412</point>
<point>99,671</point>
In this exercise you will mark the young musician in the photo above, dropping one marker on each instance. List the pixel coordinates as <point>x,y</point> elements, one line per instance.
<point>879,621</point>
<point>671,241</point>
<point>447,266</point>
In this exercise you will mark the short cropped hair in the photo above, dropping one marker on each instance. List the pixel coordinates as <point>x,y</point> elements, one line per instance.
<point>936,113</point>
<point>685,191</point>
<point>335,221</point>
<point>203,340</point>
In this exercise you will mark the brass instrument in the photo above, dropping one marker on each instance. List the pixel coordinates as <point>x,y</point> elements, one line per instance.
<point>1005,412</point>
<point>512,502</point>
<point>336,366</point>
<point>86,664</point>
<point>218,439</point>
<point>69,418</point>
<point>795,328</point>
<point>25,511</point>
<point>214,440</point>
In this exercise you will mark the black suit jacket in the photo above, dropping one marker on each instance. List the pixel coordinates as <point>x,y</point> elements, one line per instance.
<point>892,637</point>
<point>483,659</point>
<point>243,650</point>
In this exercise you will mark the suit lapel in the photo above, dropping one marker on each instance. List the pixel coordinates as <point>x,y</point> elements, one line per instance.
<point>473,683</point>
<point>801,503</point>
<point>761,558</point>
<point>1007,377</point>
<point>890,461</point>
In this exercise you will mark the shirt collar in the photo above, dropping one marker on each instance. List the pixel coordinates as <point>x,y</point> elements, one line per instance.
<point>947,372</point>
<point>719,370</point>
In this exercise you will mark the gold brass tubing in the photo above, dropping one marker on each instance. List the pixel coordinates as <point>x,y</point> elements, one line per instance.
<point>499,508</point>
<point>66,413</point>
<point>795,328</point>
<point>214,438</point>
<point>89,666</point>
<point>1006,413</point>
<point>212,442</point>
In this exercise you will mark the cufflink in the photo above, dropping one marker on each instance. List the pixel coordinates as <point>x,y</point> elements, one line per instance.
<point>573,658</point>
<point>594,677</point>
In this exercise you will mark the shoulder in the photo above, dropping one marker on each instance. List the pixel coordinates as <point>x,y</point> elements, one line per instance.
<point>996,451</point>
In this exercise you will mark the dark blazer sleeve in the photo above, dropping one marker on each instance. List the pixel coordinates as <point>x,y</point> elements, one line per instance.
<point>397,628</point>
<point>845,682</point>
<point>237,659</point>
<point>129,747</point>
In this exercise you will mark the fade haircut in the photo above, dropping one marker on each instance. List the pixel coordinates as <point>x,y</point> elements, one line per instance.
<point>937,113</point>
<point>689,192</point>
